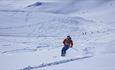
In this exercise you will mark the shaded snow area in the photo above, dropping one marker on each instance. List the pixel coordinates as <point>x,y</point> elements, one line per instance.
<point>32,34</point>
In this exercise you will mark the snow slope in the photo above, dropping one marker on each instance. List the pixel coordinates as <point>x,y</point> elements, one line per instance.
<point>34,24</point>
<point>31,34</point>
<point>67,7</point>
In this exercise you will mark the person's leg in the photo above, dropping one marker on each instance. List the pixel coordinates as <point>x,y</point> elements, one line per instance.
<point>62,51</point>
<point>67,47</point>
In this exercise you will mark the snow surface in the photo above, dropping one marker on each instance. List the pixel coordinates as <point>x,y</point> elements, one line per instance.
<point>32,31</point>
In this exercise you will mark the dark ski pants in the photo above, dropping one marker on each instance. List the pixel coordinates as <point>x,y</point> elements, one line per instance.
<point>64,49</point>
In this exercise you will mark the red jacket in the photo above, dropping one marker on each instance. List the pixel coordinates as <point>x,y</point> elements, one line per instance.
<point>68,42</point>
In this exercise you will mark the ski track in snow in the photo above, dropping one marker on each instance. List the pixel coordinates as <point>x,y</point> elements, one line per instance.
<point>55,63</point>
<point>23,50</point>
<point>26,49</point>
<point>19,50</point>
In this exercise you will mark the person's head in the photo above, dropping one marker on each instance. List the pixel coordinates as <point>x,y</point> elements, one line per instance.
<point>68,37</point>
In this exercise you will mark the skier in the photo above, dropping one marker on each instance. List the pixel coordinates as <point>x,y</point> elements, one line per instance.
<point>68,43</point>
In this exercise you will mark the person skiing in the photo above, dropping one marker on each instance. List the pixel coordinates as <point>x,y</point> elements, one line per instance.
<point>68,43</point>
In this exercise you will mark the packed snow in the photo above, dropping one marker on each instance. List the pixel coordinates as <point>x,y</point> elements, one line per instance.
<point>32,34</point>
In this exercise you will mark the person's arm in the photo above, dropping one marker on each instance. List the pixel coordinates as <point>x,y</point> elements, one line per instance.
<point>71,44</point>
<point>64,41</point>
